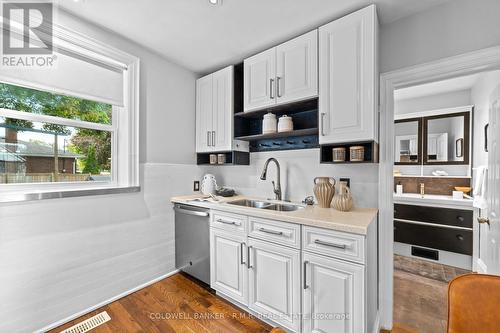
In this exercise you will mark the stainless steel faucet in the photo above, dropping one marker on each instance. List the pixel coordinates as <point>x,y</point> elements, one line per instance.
<point>276,187</point>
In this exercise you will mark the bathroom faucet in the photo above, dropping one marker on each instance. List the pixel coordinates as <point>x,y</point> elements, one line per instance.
<point>276,187</point>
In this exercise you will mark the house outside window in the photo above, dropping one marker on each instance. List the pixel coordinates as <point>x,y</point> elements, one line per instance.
<point>34,152</point>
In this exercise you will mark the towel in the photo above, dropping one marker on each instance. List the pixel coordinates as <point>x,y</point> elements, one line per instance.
<point>479,193</point>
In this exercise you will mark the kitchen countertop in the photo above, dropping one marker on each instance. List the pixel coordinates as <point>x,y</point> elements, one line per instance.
<point>356,221</point>
<point>432,199</point>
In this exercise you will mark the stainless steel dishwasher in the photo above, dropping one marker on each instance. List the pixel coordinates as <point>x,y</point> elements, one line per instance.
<point>192,241</point>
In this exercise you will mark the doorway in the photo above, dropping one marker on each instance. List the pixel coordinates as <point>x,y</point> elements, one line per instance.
<point>451,68</point>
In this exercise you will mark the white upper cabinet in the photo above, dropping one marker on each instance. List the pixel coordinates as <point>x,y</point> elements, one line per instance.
<point>259,74</point>
<point>223,92</point>
<point>214,111</point>
<point>297,68</point>
<point>282,74</point>
<point>348,78</point>
<point>204,114</point>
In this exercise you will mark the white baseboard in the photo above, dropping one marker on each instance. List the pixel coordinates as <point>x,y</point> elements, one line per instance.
<point>106,302</point>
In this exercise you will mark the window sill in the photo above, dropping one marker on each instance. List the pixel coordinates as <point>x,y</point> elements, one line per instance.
<point>34,196</point>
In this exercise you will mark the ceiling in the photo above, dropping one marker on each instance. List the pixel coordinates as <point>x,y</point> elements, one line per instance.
<point>438,87</point>
<point>203,37</point>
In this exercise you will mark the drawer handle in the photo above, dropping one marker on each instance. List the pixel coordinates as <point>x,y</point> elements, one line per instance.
<point>273,232</point>
<point>337,246</point>
<point>305,274</point>
<point>241,254</point>
<point>227,222</point>
<point>249,249</point>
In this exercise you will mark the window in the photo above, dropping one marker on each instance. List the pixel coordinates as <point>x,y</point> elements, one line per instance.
<point>42,152</point>
<point>73,126</point>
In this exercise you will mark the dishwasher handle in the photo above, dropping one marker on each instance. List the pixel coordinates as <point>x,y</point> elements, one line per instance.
<point>190,212</point>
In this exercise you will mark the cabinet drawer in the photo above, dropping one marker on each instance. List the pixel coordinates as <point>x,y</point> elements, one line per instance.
<point>334,243</point>
<point>228,221</point>
<point>453,217</point>
<point>441,238</point>
<point>274,231</point>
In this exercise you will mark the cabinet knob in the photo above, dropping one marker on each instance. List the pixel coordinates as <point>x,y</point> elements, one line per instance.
<point>460,218</point>
<point>460,237</point>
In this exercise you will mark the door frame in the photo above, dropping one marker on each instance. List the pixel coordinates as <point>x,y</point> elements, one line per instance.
<point>446,68</point>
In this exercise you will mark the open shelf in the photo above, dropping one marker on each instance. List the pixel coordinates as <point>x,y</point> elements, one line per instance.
<point>232,158</point>
<point>288,109</point>
<point>300,132</point>
<point>371,152</point>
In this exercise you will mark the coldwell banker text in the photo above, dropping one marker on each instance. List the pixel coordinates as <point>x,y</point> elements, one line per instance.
<point>27,34</point>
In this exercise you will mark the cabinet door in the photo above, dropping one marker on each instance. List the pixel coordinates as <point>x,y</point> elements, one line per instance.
<point>204,114</point>
<point>274,282</point>
<point>333,295</point>
<point>223,108</point>
<point>228,270</point>
<point>297,68</point>
<point>259,87</point>
<point>347,78</point>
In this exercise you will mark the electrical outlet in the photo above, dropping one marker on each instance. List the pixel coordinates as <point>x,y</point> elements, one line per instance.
<point>347,180</point>
<point>196,185</point>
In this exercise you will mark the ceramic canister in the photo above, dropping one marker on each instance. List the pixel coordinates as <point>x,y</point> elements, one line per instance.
<point>285,124</point>
<point>324,190</point>
<point>269,123</point>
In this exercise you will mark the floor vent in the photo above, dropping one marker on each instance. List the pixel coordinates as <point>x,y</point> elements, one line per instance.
<point>89,324</point>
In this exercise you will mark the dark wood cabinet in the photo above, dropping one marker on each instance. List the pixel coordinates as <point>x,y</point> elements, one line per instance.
<point>437,215</point>
<point>434,227</point>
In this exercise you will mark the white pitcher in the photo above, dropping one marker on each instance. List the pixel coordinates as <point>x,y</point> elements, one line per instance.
<point>208,184</point>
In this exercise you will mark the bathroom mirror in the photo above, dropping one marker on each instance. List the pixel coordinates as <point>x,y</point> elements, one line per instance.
<point>407,143</point>
<point>446,139</point>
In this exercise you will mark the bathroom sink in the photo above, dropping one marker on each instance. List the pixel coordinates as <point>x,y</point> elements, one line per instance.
<point>266,205</point>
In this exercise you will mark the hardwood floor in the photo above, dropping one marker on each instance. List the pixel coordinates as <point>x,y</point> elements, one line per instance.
<point>175,304</point>
<point>420,294</point>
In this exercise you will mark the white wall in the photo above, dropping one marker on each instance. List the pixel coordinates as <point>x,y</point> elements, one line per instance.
<point>59,257</point>
<point>480,95</point>
<point>455,27</point>
<point>433,102</point>
<point>298,170</point>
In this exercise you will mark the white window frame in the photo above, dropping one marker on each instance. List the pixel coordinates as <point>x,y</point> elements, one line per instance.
<point>124,127</point>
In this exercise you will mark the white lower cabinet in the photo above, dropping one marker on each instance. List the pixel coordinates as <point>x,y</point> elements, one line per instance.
<point>324,281</point>
<point>274,282</point>
<point>333,295</point>
<point>228,270</point>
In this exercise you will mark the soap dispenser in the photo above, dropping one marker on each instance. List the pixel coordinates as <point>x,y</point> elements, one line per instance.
<point>399,189</point>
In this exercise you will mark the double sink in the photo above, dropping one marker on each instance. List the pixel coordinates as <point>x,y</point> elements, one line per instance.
<point>266,205</point>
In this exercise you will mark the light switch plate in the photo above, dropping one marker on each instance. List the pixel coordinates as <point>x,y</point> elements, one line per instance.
<point>196,186</point>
